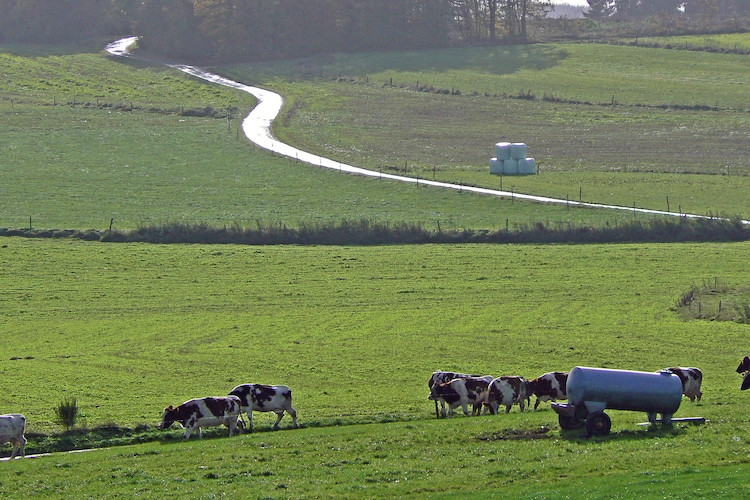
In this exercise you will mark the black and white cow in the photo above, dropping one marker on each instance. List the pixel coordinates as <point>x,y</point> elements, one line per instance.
<point>549,387</point>
<point>744,365</point>
<point>12,429</point>
<point>691,379</point>
<point>744,369</point>
<point>441,377</point>
<point>460,392</point>
<point>258,397</point>
<point>204,412</point>
<point>507,391</point>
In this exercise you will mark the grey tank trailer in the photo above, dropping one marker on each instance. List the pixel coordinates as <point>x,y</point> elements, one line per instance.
<point>593,390</point>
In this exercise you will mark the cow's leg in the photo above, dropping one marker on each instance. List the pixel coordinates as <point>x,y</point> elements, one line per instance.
<point>521,404</point>
<point>536,403</point>
<point>250,419</point>
<point>231,422</point>
<point>465,408</point>
<point>437,412</point>
<point>507,408</point>
<point>279,416</point>
<point>492,406</point>
<point>15,444</point>
<point>293,413</point>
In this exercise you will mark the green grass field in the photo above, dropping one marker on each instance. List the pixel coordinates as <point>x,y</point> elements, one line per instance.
<point>129,328</point>
<point>635,152</point>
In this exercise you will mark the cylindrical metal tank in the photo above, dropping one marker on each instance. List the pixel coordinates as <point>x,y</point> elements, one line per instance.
<point>600,388</point>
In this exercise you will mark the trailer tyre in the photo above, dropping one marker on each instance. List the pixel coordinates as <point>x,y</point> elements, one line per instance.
<point>598,424</point>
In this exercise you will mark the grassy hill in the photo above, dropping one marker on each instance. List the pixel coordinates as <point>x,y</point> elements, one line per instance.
<point>608,124</point>
<point>89,139</point>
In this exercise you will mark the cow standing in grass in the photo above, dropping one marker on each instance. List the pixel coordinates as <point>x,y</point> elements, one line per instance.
<point>507,391</point>
<point>744,369</point>
<point>203,412</point>
<point>691,379</point>
<point>259,397</point>
<point>549,387</point>
<point>12,429</point>
<point>460,392</point>
<point>441,377</point>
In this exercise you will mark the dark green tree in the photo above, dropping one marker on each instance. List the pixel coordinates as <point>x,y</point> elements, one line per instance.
<point>600,10</point>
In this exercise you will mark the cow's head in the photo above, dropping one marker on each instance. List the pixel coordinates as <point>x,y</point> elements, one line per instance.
<point>436,392</point>
<point>745,365</point>
<point>168,417</point>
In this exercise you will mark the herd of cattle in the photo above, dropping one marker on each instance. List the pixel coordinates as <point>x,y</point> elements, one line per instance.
<point>449,389</point>
<point>489,393</point>
<point>227,410</point>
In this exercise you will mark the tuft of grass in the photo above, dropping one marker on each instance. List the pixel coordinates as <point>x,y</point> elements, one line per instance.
<point>67,413</point>
<point>714,300</point>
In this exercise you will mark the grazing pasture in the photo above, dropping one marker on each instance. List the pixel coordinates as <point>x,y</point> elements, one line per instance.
<point>355,332</point>
<point>125,152</point>
<point>127,329</point>
<point>608,124</point>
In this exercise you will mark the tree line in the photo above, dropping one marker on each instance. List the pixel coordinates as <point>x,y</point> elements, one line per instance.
<point>625,10</point>
<point>232,30</point>
<point>270,29</point>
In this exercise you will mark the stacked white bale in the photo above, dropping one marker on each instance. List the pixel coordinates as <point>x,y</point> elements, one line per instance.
<point>518,151</point>
<point>527,166</point>
<point>502,151</point>
<point>496,166</point>
<point>510,167</point>
<point>511,159</point>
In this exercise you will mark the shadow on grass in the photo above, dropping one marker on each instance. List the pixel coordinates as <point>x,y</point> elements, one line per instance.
<point>109,435</point>
<point>653,431</point>
<point>50,49</point>
<point>496,60</point>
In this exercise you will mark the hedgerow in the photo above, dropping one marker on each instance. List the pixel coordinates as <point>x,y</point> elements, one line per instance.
<point>367,232</point>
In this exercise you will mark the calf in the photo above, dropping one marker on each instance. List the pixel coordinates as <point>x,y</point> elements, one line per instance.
<point>549,387</point>
<point>745,365</point>
<point>258,397</point>
<point>460,392</point>
<point>441,377</point>
<point>203,412</point>
<point>507,391</point>
<point>691,379</point>
<point>12,428</point>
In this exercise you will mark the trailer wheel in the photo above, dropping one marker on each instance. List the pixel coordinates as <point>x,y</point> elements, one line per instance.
<point>598,424</point>
<point>568,423</point>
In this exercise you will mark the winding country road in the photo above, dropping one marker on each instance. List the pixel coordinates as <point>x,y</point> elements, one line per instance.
<point>257,126</point>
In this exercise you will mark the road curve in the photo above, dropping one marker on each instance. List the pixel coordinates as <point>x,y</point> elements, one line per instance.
<point>257,127</point>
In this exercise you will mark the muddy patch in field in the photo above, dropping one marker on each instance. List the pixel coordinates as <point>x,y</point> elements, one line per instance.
<point>516,435</point>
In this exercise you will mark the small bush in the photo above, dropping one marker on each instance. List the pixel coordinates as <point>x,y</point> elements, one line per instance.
<point>67,413</point>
